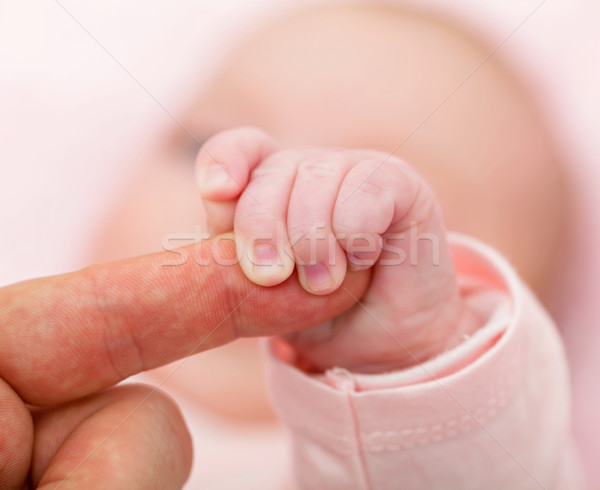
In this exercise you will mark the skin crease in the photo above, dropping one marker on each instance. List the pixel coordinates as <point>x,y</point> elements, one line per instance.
<point>485,150</point>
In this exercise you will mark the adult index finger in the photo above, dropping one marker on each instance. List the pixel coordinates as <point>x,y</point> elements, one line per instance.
<point>66,336</point>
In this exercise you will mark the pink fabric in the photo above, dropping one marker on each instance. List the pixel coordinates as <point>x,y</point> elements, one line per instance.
<point>501,420</point>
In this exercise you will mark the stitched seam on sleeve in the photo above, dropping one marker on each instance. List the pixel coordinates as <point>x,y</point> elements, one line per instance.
<point>395,440</point>
<point>421,436</point>
<point>359,445</point>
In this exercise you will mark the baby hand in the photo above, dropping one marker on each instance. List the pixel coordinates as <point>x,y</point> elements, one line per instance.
<point>324,211</point>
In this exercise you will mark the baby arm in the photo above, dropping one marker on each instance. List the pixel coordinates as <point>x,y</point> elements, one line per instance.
<point>446,373</point>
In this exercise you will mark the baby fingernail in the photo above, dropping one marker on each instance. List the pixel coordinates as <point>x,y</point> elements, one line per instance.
<point>216,175</point>
<point>267,267</point>
<point>317,276</point>
<point>265,255</point>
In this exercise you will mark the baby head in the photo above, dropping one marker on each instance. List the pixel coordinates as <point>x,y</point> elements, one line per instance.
<point>414,85</point>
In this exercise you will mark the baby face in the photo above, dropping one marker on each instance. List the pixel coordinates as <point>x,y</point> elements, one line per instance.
<point>398,81</point>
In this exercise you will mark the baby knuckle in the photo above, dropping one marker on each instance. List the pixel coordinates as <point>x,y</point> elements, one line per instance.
<point>301,230</point>
<point>254,217</point>
<point>392,168</point>
<point>372,187</point>
<point>265,173</point>
<point>317,168</point>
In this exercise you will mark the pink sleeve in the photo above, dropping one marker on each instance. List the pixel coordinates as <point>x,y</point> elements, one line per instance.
<point>492,413</point>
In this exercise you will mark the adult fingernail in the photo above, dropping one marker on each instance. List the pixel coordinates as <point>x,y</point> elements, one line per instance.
<point>317,276</point>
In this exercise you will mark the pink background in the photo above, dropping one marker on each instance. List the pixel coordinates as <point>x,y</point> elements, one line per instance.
<point>71,119</point>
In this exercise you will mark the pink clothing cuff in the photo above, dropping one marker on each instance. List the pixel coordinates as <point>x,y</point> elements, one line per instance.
<point>380,425</point>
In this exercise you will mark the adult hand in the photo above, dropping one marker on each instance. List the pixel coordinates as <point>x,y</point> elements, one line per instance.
<point>64,340</point>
